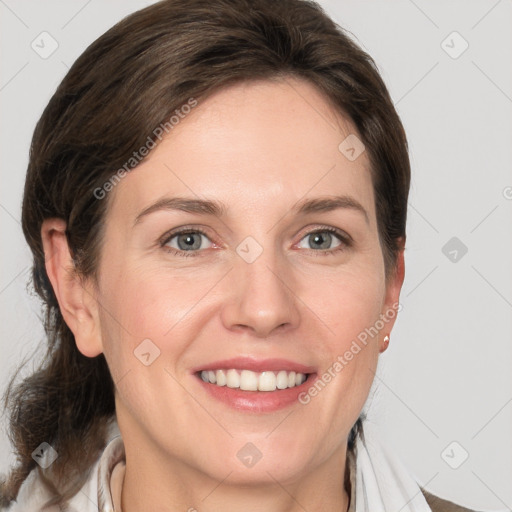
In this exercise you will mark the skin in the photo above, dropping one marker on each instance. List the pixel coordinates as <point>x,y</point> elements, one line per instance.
<point>259,148</point>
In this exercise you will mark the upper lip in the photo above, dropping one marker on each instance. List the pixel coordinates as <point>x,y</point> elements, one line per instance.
<point>256,365</point>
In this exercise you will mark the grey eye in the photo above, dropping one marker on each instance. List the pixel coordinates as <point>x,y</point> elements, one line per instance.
<point>321,240</point>
<point>190,241</point>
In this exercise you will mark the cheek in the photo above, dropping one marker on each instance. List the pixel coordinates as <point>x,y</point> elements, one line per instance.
<point>162,307</point>
<point>149,313</point>
<point>346,304</point>
<point>152,303</point>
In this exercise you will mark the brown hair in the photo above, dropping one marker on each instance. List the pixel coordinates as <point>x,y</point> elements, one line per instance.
<point>124,85</point>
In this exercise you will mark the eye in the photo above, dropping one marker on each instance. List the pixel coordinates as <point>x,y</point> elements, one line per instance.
<point>189,241</point>
<point>185,241</point>
<point>324,238</point>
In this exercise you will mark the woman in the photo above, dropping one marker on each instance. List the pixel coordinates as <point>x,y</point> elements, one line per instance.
<point>216,202</point>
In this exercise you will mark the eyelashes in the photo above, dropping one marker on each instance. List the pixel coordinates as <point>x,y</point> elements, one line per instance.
<point>343,238</point>
<point>345,241</point>
<point>175,234</point>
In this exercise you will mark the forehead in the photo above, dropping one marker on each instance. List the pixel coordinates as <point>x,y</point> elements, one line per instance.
<point>251,144</point>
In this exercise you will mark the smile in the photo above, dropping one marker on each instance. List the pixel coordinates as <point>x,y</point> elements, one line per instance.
<point>248,380</point>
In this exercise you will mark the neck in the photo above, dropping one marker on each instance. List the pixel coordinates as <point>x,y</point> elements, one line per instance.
<point>151,483</point>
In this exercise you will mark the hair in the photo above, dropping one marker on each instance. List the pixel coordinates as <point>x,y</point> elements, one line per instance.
<point>124,85</point>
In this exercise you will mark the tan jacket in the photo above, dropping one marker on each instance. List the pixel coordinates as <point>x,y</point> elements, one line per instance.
<point>439,505</point>
<point>436,503</point>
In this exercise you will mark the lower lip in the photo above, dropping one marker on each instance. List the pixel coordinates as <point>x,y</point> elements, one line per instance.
<point>257,401</point>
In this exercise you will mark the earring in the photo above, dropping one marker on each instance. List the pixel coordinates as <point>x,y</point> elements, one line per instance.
<point>386,342</point>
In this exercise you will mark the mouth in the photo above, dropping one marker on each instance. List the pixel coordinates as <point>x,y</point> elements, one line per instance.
<point>248,380</point>
<point>251,385</point>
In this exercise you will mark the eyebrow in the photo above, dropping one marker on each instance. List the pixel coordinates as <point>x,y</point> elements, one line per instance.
<point>218,209</point>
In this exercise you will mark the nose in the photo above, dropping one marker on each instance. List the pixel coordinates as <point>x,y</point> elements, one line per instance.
<point>262,299</point>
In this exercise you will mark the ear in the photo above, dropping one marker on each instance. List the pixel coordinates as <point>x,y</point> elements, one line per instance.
<point>391,303</point>
<point>76,296</point>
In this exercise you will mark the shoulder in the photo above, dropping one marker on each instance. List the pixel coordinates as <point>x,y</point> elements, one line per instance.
<point>31,495</point>
<point>93,496</point>
<point>438,504</point>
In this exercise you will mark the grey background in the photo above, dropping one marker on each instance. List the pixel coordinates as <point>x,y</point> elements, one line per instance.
<point>447,374</point>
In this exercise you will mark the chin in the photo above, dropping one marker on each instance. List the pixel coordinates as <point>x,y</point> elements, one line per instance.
<point>246,464</point>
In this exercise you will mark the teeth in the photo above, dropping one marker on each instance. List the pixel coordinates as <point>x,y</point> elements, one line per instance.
<point>248,380</point>
<point>282,380</point>
<point>232,379</point>
<point>267,381</point>
<point>221,378</point>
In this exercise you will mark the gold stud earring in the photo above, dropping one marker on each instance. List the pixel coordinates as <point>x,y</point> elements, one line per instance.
<point>386,342</point>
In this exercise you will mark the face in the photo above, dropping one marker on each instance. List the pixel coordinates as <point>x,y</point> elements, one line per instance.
<point>266,278</point>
